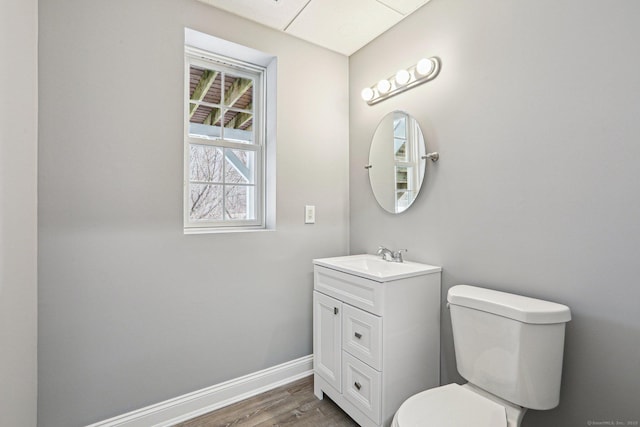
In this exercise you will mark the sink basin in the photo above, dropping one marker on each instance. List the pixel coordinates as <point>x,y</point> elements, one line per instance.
<point>375,268</point>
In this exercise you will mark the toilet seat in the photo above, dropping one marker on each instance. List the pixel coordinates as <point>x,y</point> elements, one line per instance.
<point>450,406</point>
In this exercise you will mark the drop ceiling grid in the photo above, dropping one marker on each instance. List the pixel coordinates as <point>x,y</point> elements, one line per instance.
<point>405,7</point>
<point>343,26</point>
<point>274,14</point>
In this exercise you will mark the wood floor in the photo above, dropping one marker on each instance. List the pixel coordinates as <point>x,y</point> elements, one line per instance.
<point>293,404</point>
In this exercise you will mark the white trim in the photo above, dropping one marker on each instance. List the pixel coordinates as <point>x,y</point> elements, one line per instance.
<point>204,230</point>
<point>209,43</point>
<point>190,405</point>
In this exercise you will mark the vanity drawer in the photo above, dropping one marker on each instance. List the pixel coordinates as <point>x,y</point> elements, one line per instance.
<point>362,335</point>
<point>357,291</point>
<point>361,386</point>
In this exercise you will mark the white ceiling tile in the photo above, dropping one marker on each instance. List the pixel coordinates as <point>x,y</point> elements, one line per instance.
<point>404,6</point>
<point>340,25</point>
<point>275,14</point>
<point>343,26</point>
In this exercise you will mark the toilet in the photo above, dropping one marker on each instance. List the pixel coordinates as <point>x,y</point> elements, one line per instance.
<point>509,348</point>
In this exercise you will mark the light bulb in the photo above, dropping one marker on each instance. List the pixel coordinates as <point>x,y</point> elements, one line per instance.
<point>424,66</point>
<point>402,77</point>
<point>367,94</point>
<point>384,86</point>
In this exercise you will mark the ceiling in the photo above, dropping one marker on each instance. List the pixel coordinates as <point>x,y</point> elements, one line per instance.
<point>343,26</point>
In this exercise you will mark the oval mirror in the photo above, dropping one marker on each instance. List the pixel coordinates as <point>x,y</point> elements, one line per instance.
<point>396,164</point>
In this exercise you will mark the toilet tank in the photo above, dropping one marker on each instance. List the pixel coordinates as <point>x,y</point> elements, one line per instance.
<point>509,345</point>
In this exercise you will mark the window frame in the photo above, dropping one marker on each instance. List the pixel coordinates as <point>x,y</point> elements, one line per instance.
<point>202,58</point>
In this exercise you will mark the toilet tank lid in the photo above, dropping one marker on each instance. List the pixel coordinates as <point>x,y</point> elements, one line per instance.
<point>517,307</point>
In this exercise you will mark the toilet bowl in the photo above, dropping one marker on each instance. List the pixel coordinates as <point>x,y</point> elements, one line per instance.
<point>509,348</point>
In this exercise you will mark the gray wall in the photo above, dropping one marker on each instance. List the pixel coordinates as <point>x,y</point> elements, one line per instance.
<point>537,192</point>
<point>133,312</point>
<point>18,210</point>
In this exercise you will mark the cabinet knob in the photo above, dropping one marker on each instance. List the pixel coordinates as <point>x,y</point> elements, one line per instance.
<point>357,384</point>
<point>358,335</point>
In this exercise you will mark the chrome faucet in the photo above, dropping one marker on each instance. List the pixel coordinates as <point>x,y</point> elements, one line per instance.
<point>385,253</point>
<point>389,255</point>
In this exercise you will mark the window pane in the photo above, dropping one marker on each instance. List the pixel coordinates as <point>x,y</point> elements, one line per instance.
<point>205,163</point>
<point>238,127</point>
<point>239,166</point>
<point>206,202</point>
<point>204,121</point>
<point>400,149</point>
<point>239,96</point>
<point>238,92</point>
<point>403,201</point>
<point>400,127</point>
<point>204,85</point>
<point>402,177</point>
<point>240,202</point>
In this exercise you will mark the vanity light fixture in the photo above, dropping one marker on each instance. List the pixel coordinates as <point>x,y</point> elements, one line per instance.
<point>426,69</point>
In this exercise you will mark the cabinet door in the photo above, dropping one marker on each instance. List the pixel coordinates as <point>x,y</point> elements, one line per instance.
<point>327,339</point>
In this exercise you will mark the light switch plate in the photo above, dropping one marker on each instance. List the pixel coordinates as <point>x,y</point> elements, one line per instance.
<point>309,214</point>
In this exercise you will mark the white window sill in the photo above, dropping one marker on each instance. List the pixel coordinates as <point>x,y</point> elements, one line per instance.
<point>225,230</point>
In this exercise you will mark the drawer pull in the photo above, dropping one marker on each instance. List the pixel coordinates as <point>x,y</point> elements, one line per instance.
<point>357,384</point>
<point>358,335</point>
<point>335,310</point>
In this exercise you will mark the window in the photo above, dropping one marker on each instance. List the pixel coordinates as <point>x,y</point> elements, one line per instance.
<point>409,169</point>
<point>224,143</point>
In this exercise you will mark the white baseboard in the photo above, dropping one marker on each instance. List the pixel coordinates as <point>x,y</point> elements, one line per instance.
<point>185,407</point>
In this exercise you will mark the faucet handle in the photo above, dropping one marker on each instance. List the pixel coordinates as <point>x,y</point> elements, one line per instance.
<point>397,256</point>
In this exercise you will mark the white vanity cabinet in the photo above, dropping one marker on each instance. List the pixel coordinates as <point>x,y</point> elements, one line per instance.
<point>376,334</point>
